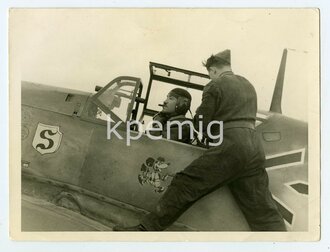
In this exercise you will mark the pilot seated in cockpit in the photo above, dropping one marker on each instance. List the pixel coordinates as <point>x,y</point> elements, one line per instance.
<point>173,117</point>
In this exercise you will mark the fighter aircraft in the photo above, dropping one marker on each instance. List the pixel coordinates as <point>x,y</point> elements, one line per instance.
<point>69,161</point>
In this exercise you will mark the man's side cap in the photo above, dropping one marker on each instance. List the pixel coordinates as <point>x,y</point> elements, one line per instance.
<point>224,55</point>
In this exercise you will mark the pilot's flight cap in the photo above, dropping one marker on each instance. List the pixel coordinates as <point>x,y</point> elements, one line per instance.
<point>180,92</point>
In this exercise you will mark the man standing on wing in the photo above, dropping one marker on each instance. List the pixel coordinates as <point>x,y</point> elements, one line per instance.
<point>238,162</point>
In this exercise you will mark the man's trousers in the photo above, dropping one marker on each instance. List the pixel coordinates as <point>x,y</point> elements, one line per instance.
<point>239,163</point>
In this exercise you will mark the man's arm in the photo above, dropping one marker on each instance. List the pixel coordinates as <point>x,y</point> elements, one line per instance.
<point>207,108</point>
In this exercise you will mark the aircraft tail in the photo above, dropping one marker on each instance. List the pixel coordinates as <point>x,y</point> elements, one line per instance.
<point>278,91</point>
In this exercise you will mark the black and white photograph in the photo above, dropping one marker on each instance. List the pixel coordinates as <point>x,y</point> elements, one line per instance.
<point>164,124</point>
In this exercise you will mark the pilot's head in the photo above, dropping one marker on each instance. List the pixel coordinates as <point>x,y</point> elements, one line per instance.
<point>177,102</point>
<point>217,64</point>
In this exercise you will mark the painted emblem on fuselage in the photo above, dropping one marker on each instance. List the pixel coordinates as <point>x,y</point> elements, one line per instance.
<point>154,172</point>
<point>47,138</point>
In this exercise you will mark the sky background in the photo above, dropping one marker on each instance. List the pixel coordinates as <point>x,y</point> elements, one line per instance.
<point>80,48</point>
